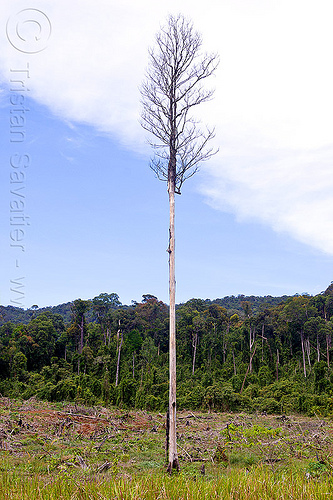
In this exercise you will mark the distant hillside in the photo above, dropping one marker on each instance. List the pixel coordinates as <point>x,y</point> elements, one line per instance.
<point>18,315</point>
<point>234,304</point>
<point>231,303</point>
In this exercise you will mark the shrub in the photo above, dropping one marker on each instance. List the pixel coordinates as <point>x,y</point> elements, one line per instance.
<point>221,397</point>
<point>194,399</point>
<point>269,405</point>
<point>65,390</point>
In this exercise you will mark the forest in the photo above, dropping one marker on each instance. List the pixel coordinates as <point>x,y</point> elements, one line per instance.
<point>271,355</point>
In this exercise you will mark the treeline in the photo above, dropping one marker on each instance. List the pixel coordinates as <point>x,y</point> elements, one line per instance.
<point>273,355</point>
<point>231,303</point>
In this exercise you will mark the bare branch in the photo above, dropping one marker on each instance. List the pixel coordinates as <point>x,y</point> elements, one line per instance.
<point>173,87</point>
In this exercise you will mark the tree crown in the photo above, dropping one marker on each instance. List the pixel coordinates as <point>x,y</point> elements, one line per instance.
<point>173,86</point>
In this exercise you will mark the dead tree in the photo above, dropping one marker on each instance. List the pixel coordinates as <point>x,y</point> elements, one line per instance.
<point>172,88</point>
<point>119,332</point>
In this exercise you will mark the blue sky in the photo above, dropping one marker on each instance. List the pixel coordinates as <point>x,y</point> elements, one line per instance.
<point>257,219</point>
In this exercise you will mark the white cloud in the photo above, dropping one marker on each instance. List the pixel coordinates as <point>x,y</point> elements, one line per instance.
<point>275,123</point>
<point>289,190</point>
<point>273,108</point>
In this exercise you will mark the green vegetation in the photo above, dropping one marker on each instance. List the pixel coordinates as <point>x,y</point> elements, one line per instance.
<point>255,486</point>
<point>270,358</point>
<point>72,452</point>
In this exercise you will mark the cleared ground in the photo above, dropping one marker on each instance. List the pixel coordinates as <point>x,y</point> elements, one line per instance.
<point>67,444</point>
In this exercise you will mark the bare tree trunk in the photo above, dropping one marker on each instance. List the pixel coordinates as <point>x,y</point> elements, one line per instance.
<point>172,88</point>
<point>307,347</point>
<point>318,349</point>
<point>195,343</point>
<point>328,345</point>
<point>118,360</point>
<point>248,369</point>
<point>173,456</point>
<point>303,353</point>
<point>225,341</point>
<point>108,334</point>
<point>252,337</point>
<point>262,342</point>
<point>224,351</point>
<point>250,344</point>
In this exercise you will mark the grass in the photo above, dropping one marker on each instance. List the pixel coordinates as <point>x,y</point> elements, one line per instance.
<point>77,453</point>
<point>258,484</point>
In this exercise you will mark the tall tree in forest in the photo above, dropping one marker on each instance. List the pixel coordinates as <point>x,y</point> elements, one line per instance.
<point>79,307</point>
<point>173,86</point>
<point>297,312</point>
<point>101,306</point>
<point>123,322</point>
